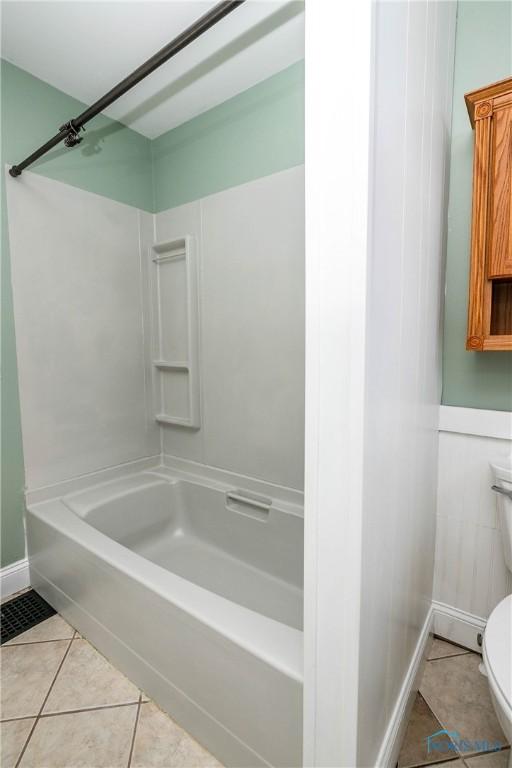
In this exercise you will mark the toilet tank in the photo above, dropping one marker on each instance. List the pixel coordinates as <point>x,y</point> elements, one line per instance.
<point>503,479</point>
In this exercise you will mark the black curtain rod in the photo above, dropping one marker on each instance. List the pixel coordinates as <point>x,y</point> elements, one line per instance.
<point>69,132</point>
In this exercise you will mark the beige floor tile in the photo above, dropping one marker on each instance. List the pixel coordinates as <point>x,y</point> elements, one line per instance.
<point>441,648</point>
<point>422,724</point>
<point>191,755</point>
<point>97,738</point>
<point>88,680</point>
<point>156,739</point>
<point>54,628</point>
<point>13,736</point>
<point>459,697</point>
<point>27,673</point>
<point>491,760</point>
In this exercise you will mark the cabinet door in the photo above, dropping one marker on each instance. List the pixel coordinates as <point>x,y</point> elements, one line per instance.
<point>499,263</point>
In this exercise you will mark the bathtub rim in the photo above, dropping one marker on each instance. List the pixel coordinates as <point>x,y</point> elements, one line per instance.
<point>278,644</point>
<point>289,499</point>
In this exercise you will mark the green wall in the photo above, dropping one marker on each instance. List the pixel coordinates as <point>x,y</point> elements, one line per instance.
<point>483,54</point>
<point>258,132</point>
<point>113,161</point>
<point>12,537</point>
<point>254,134</point>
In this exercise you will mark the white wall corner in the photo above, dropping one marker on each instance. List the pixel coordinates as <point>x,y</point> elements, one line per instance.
<point>14,577</point>
<point>392,742</point>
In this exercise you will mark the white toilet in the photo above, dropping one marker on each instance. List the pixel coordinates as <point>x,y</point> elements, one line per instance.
<point>497,645</point>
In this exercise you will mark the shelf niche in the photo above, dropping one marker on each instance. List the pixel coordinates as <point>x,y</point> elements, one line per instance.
<point>175,332</point>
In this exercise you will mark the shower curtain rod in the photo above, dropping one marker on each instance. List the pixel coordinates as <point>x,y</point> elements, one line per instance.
<point>69,132</point>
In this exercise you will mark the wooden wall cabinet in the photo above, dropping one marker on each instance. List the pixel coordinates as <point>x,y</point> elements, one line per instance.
<point>490,284</point>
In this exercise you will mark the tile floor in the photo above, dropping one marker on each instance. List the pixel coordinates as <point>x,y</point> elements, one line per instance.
<point>64,706</point>
<point>454,696</point>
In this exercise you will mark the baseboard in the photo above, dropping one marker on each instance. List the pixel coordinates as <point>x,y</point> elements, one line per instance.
<point>457,626</point>
<point>390,748</point>
<point>14,577</point>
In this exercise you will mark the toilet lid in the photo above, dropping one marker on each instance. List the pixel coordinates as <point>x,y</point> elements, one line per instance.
<point>498,646</point>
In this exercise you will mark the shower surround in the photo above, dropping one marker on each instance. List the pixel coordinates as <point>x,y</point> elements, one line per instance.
<point>174,544</point>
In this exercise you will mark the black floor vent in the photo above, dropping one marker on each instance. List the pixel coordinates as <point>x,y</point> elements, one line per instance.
<point>22,613</point>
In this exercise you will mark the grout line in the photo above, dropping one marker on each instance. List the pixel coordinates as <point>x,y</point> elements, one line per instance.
<point>456,751</point>
<point>453,655</point>
<point>452,642</point>
<point>134,731</point>
<point>45,715</point>
<point>42,705</point>
<point>505,748</point>
<point>10,644</point>
<point>433,765</point>
<point>15,719</point>
<point>460,755</point>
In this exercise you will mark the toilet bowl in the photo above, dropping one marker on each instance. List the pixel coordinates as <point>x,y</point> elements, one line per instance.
<point>497,658</point>
<point>497,643</point>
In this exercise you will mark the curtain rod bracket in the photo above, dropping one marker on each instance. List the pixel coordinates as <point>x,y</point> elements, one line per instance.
<point>73,134</point>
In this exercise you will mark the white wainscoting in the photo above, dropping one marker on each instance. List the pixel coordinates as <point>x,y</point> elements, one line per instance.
<point>14,577</point>
<point>474,421</point>
<point>470,576</point>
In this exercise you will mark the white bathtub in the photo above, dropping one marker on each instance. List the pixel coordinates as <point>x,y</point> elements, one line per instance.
<point>194,590</point>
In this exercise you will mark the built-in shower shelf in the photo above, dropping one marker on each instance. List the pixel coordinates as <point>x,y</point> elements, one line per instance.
<point>174,284</point>
<point>171,250</point>
<point>166,365</point>
<point>175,421</point>
<point>169,257</point>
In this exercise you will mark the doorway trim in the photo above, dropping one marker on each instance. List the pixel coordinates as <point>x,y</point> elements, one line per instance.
<point>339,70</point>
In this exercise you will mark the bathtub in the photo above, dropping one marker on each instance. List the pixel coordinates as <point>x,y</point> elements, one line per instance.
<point>194,590</point>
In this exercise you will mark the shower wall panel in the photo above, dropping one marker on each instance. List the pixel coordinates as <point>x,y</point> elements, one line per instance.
<point>250,245</point>
<point>80,302</point>
<point>83,316</point>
